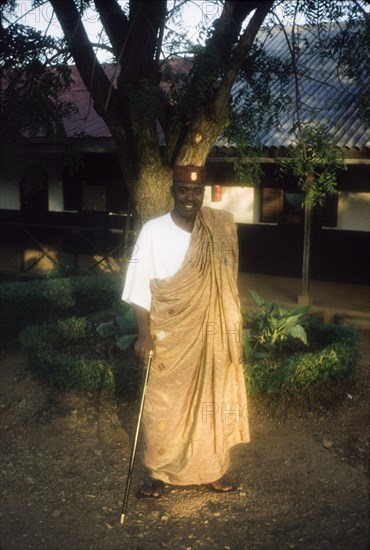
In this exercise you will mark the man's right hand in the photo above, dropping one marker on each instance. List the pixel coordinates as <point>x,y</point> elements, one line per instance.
<point>143,345</point>
<point>145,342</point>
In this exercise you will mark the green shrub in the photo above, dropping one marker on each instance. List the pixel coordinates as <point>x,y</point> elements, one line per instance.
<point>70,354</point>
<point>36,302</point>
<point>292,370</point>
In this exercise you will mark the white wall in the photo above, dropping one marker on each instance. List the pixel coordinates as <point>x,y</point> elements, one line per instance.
<point>10,191</point>
<point>55,184</point>
<point>240,201</point>
<point>9,188</point>
<point>354,211</point>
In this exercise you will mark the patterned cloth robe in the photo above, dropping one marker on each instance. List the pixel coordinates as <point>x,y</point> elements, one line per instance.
<point>195,408</point>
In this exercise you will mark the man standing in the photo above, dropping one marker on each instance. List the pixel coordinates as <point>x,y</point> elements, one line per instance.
<point>182,285</point>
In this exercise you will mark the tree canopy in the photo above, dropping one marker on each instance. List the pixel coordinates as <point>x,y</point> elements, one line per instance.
<point>147,43</point>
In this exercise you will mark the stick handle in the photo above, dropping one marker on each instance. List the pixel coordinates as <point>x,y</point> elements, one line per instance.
<point>134,446</point>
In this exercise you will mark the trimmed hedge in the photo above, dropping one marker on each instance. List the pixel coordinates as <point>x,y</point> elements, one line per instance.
<point>70,355</point>
<point>330,358</point>
<point>35,302</point>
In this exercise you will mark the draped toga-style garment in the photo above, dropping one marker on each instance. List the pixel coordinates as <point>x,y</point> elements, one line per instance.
<point>195,408</point>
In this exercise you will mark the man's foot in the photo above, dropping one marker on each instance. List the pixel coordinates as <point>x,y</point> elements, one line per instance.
<point>222,486</point>
<point>152,488</point>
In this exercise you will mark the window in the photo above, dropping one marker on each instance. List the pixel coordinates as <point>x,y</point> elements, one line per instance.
<point>278,206</point>
<point>271,205</point>
<point>96,186</point>
<point>94,199</point>
<point>34,190</point>
<point>293,211</point>
<point>329,211</point>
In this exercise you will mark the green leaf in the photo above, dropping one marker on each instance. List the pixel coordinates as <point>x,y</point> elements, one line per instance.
<point>298,311</point>
<point>125,341</point>
<point>125,317</point>
<point>107,329</point>
<point>256,298</point>
<point>298,332</point>
<point>283,311</point>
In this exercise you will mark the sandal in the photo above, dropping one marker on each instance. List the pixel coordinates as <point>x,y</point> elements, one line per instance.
<point>222,486</point>
<point>152,488</point>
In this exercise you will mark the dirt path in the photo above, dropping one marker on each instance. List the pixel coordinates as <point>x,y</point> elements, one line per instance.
<point>304,480</point>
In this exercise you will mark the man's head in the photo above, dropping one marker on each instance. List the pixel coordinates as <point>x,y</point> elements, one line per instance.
<point>188,191</point>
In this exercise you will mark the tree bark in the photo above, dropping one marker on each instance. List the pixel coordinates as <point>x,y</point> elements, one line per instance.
<point>306,253</point>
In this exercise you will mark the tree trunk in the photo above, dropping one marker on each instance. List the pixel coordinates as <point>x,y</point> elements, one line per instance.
<point>305,298</point>
<point>148,184</point>
<point>151,191</point>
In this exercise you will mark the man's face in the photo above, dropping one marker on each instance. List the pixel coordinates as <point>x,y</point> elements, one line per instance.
<point>188,199</point>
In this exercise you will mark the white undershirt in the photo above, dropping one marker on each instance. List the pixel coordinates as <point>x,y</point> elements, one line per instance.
<point>159,253</point>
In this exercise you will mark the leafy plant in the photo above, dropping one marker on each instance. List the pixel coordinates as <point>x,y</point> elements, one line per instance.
<point>275,324</point>
<point>309,372</point>
<point>315,161</point>
<point>123,327</point>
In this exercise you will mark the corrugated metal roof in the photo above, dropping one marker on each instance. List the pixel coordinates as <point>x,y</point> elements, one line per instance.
<point>326,99</point>
<point>86,120</point>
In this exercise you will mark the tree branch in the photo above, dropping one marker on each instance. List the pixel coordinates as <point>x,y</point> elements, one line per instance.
<point>219,46</point>
<point>115,23</point>
<point>211,107</point>
<point>138,60</point>
<point>243,47</point>
<point>83,54</point>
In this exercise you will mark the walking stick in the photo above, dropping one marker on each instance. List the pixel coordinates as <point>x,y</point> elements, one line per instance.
<point>133,451</point>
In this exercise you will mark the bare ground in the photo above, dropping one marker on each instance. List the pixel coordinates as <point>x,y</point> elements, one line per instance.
<point>64,458</point>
